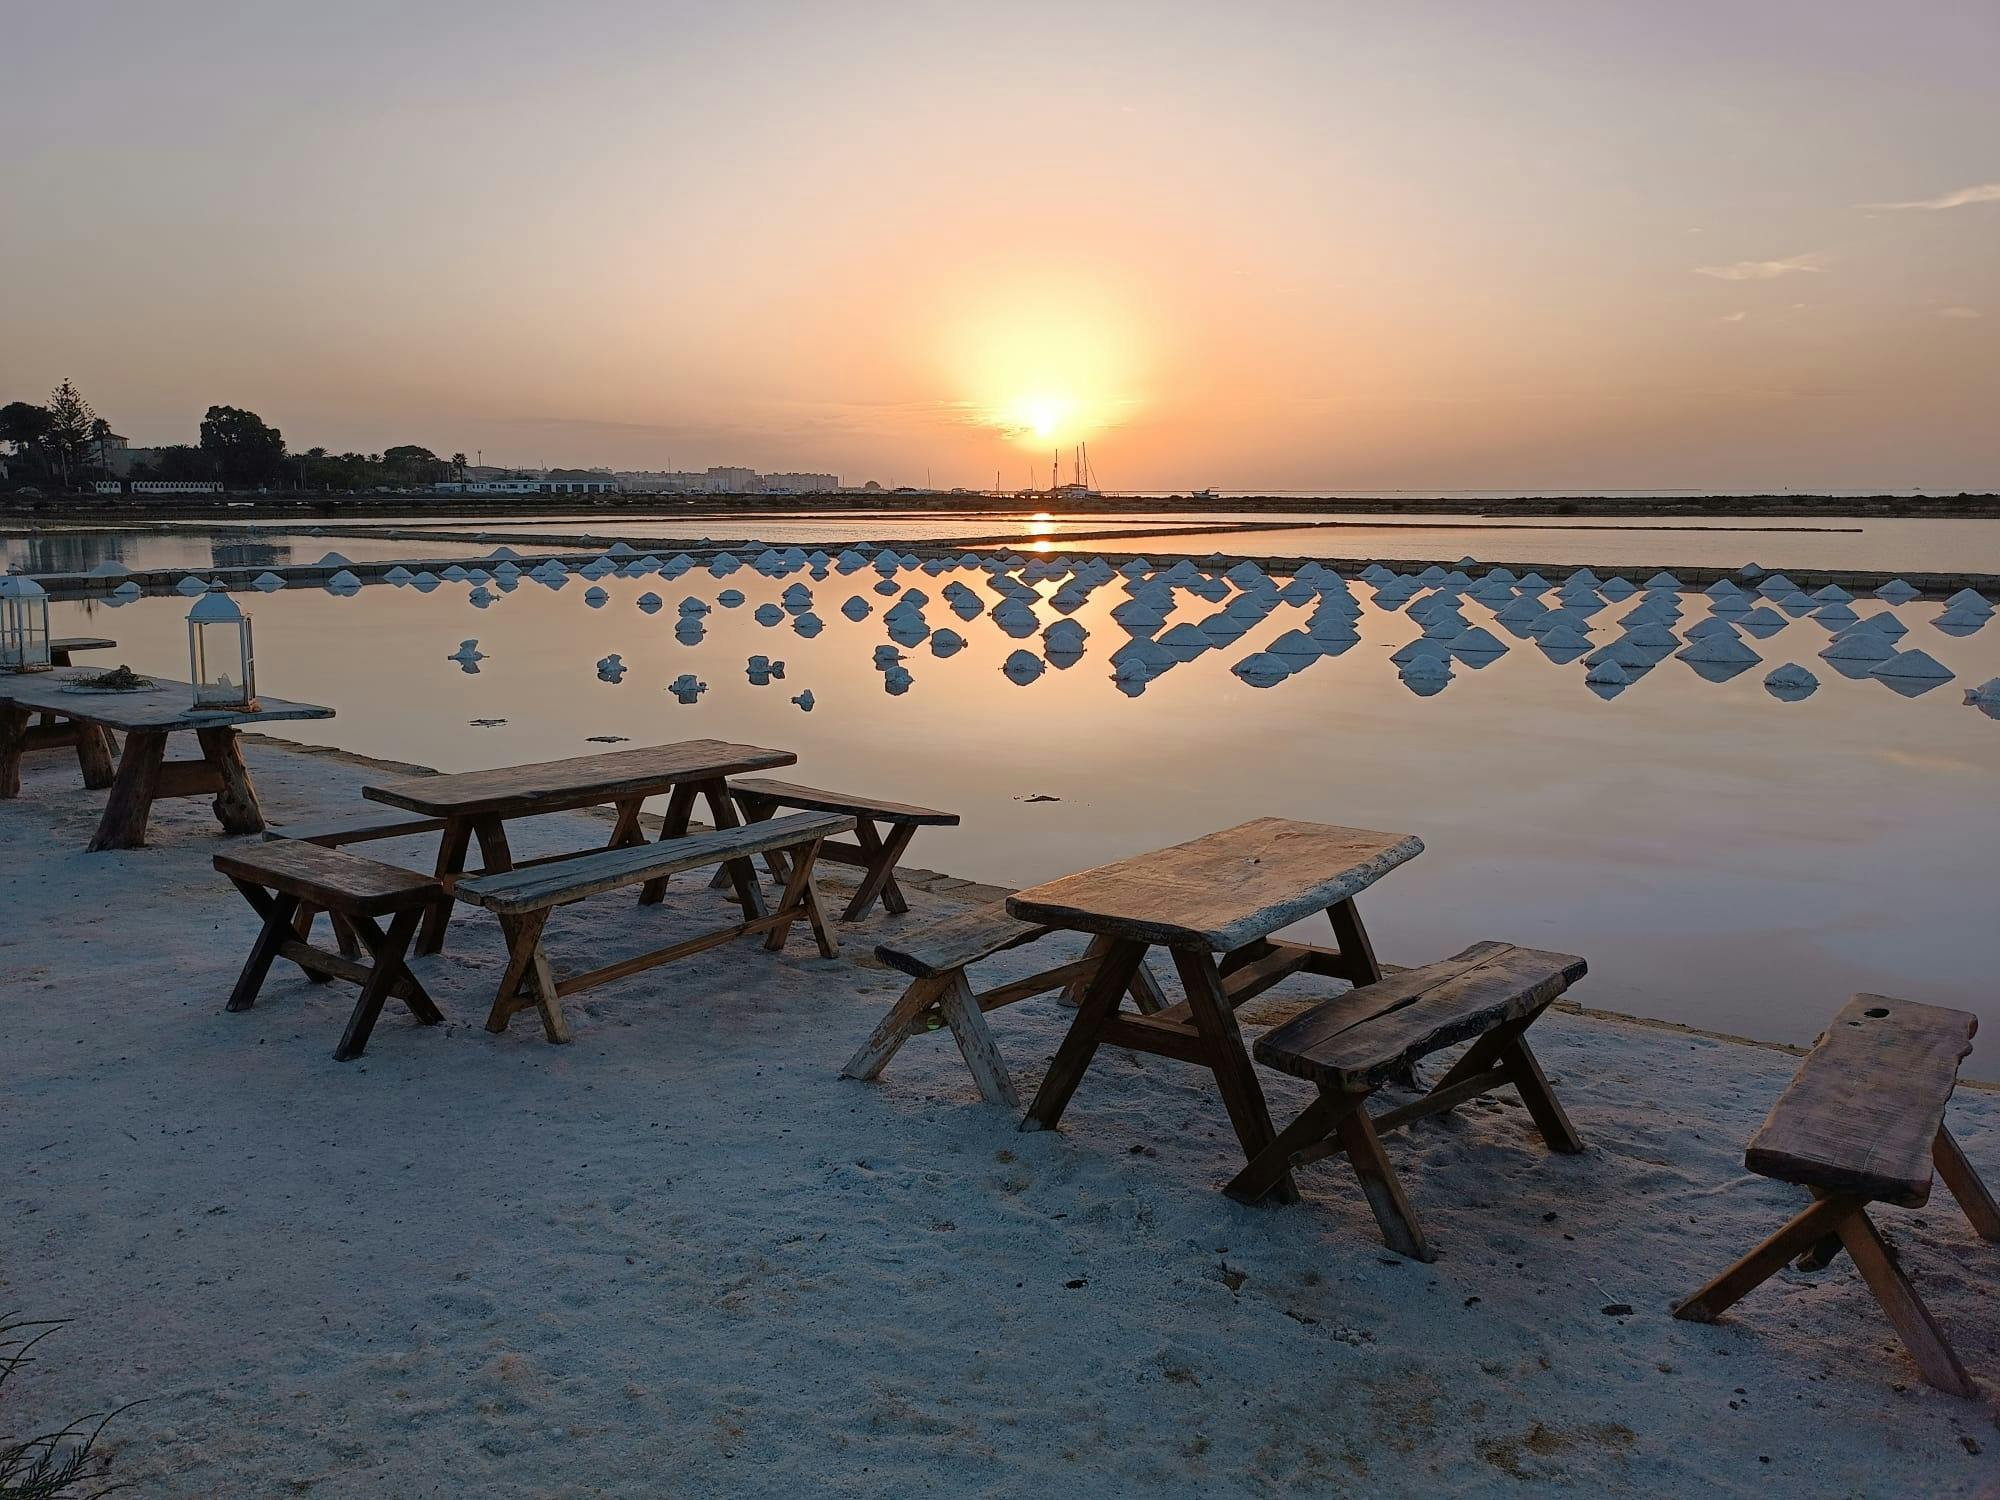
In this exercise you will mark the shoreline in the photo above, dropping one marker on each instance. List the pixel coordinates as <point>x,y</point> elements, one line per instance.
<point>241,505</point>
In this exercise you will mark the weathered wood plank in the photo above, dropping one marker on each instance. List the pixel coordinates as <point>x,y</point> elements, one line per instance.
<point>165,706</point>
<point>1863,1111</point>
<point>814,799</point>
<point>602,870</point>
<point>1360,1040</point>
<point>960,939</point>
<point>1223,891</point>
<point>355,828</point>
<point>579,781</point>
<point>330,879</point>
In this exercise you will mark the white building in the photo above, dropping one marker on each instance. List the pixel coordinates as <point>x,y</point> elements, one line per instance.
<point>176,487</point>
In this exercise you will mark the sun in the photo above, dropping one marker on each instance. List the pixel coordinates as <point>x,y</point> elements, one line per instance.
<point>1043,415</point>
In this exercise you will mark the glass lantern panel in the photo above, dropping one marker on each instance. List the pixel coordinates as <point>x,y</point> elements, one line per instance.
<point>24,634</point>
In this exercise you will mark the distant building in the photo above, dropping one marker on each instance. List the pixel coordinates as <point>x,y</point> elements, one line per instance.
<point>554,482</point>
<point>108,486</point>
<point>176,487</point>
<point>577,482</point>
<point>801,484</point>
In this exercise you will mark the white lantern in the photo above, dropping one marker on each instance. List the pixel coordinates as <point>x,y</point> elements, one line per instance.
<point>24,625</point>
<point>220,660</point>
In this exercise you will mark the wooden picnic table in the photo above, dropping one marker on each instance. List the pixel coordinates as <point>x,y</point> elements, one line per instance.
<point>476,805</point>
<point>1213,904</point>
<point>146,718</point>
<point>63,647</point>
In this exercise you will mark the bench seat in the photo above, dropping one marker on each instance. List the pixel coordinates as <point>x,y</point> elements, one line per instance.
<point>1349,1046</point>
<point>1862,1122</point>
<point>524,898</point>
<point>979,932</point>
<point>330,879</point>
<point>1361,1040</point>
<point>1864,1108</point>
<point>284,881</point>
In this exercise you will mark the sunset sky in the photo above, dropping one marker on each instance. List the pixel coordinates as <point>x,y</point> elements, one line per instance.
<point>1293,247</point>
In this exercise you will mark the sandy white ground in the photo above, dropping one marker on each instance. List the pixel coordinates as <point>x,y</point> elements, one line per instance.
<point>681,1257</point>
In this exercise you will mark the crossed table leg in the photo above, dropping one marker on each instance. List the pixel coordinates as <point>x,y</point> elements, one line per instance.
<point>1202,1029</point>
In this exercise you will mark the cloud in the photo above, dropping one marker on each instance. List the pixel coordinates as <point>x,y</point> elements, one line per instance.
<point>1960,312</point>
<point>1986,192</point>
<point>1735,317</point>
<point>1765,270</point>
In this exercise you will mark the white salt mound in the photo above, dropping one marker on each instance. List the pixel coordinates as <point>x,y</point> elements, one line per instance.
<point>1915,666</point>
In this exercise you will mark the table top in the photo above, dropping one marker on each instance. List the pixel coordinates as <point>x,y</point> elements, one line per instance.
<point>82,643</point>
<point>165,705</point>
<point>579,781</point>
<point>1223,890</point>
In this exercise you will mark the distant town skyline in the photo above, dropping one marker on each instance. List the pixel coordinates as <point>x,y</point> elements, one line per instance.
<point>1269,246</point>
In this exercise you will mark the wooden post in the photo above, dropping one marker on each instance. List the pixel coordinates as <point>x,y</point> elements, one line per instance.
<point>94,756</point>
<point>13,744</point>
<point>1965,1186</point>
<point>236,806</point>
<point>1235,1077</point>
<point>452,845</point>
<point>1072,1059</point>
<point>130,805</point>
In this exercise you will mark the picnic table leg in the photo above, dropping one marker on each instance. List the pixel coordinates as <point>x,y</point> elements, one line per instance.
<point>1235,1077</point>
<point>628,831</point>
<point>1965,1186</point>
<point>278,912</point>
<point>742,872</point>
<point>754,810</point>
<point>1823,1216</point>
<point>94,755</point>
<point>1144,989</point>
<point>236,806</point>
<point>879,874</point>
<point>1072,1059</point>
<point>452,844</point>
<point>382,978</point>
<point>385,949</point>
<point>528,967</point>
<point>680,804</point>
<point>896,1028</point>
<point>1269,1166</point>
<point>13,744</point>
<point>130,804</point>
<point>1383,1189</point>
<point>1352,939</point>
<point>801,897</point>
<point>1907,1314</point>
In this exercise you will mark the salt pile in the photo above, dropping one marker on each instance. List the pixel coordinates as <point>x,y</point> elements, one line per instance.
<point>1915,666</point>
<point>1607,674</point>
<point>191,585</point>
<point>1023,667</point>
<point>1790,683</point>
<point>767,614</point>
<point>267,582</point>
<point>595,597</point>
<point>946,642</point>
<point>398,575</point>
<point>1717,651</point>
<point>807,625</point>
<point>651,603</point>
<point>1896,591</point>
<point>805,700</point>
<point>343,582</point>
<point>687,687</point>
<point>1859,643</point>
<point>468,650</point>
<point>729,598</point>
<point>857,608</point>
<point>1261,669</point>
<point>611,668</point>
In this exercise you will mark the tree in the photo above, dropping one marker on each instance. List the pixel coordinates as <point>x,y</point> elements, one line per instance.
<point>458,465</point>
<point>25,427</point>
<point>244,448</point>
<point>100,442</point>
<point>177,461</point>
<point>69,431</point>
<point>409,464</point>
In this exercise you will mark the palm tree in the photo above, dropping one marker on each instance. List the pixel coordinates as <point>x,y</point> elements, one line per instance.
<point>458,463</point>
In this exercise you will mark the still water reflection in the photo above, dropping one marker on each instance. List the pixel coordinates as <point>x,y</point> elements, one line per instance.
<point>1722,857</point>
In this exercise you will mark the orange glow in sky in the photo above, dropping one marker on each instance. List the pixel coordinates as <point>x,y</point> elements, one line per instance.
<point>1306,247</point>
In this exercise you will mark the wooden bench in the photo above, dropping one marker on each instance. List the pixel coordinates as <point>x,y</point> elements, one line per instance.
<point>876,853</point>
<point>281,877</point>
<point>524,898</point>
<point>936,959</point>
<point>1353,1044</point>
<point>1862,1122</point>
<point>337,832</point>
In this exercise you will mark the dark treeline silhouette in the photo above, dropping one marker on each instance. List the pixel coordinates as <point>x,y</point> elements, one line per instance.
<point>63,445</point>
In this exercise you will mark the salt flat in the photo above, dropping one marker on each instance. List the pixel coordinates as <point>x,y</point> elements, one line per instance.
<point>682,1257</point>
